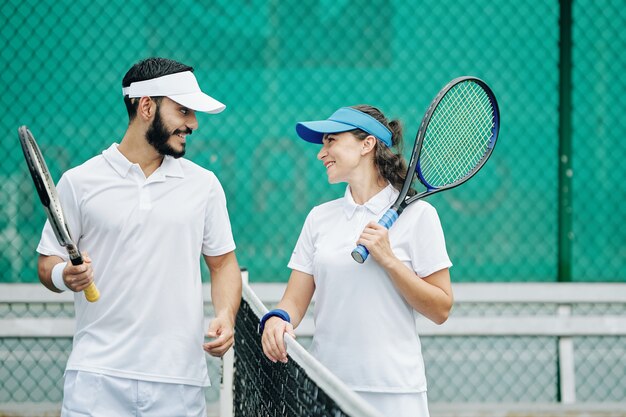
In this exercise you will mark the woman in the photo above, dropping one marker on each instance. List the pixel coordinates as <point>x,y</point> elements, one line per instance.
<point>365,313</point>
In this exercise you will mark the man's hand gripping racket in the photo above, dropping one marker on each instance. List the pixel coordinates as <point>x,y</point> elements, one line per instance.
<point>50,200</point>
<point>456,137</point>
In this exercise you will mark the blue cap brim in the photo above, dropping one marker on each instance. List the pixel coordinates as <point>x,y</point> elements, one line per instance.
<point>314,131</point>
<point>343,120</point>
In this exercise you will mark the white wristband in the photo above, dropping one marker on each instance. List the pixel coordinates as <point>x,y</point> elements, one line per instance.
<point>57,277</point>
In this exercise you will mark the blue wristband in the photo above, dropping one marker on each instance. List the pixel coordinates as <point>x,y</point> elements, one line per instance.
<point>273,313</point>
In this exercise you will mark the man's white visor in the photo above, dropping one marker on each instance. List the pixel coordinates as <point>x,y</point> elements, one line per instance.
<point>181,87</point>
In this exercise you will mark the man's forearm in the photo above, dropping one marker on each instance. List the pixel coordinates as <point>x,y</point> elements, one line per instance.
<point>44,270</point>
<point>225,286</point>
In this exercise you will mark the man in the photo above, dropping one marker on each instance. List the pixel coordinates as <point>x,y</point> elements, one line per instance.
<point>145,215</point>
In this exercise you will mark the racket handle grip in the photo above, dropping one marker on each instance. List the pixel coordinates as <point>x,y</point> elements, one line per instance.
<point>360,253</point>
<point>389,218</point>
<point>91,292</point>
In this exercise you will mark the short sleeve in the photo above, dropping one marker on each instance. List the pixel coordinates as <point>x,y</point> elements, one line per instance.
<point>217,237</point>
<point>48,244</point>
<point>304,252</point>
<point>428,251</point>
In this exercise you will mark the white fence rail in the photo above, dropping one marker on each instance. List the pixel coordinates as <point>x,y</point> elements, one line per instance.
<point>561,321</point>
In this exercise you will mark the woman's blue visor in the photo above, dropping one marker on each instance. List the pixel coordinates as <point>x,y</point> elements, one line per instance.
<point>343,120</point>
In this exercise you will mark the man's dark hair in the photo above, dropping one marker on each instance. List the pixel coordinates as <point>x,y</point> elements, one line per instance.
<point>148,69</point>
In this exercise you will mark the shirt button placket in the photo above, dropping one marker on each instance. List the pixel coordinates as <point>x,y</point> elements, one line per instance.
<point>143,192</point>
<point>360,222</point>
<point>145,202</point>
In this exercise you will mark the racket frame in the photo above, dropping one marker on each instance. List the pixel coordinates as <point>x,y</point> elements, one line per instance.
<point>414,170</point>
<point>360,253</point>
<point>50,200</point>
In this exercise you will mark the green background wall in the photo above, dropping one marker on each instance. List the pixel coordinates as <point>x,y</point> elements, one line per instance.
<point>278,62</point>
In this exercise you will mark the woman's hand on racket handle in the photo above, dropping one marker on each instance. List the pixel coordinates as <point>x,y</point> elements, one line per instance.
<point>273,339</point>
<point>221,330</point>
<point>375,238</point>
<point>78,277</point>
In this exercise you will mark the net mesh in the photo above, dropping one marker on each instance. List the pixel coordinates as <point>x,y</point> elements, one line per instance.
<point>458,135</point>
<point>302,387</point>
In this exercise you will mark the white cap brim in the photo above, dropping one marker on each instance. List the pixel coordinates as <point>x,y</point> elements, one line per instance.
<point>181,87</point>
<point>199,102</point>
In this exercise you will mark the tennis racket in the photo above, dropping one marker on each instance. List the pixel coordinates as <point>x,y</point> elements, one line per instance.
<point>50,200</point>
<point>456,137</point>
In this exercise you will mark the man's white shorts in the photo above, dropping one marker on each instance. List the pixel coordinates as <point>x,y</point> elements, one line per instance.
<point>398,405</point>
<point>96,395</point>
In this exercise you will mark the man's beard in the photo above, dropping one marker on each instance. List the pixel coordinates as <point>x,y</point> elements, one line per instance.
<point>157,136</point>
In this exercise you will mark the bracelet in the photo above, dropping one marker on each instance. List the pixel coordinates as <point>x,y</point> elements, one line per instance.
<point>273,313</point>
<point>57,277</point>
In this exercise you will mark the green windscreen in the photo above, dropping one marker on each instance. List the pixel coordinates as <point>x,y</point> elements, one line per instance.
<point>276,63</point>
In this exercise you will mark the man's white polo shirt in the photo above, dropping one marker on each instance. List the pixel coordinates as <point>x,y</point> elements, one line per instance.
<point>145,237</point>
<point>364,329</point>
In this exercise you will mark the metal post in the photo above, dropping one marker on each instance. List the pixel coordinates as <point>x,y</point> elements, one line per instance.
<point>567,374</point>
<point>565,231</point>
<point>228,370</point>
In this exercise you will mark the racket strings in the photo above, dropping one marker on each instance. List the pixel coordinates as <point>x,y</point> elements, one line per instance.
<point>457,136</point>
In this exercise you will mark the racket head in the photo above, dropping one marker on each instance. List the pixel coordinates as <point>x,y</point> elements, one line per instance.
<point>457,134</point>
<point>45,186</point>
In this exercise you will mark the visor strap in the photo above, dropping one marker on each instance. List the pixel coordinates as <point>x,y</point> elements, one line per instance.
<point>363,121</point>
<point>168,85</point>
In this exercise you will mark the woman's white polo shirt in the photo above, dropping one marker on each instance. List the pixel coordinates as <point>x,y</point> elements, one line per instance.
<point>364,329</point>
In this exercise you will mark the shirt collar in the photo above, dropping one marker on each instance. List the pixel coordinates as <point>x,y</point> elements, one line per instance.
<point>376,205</point>
<point>170,166</point>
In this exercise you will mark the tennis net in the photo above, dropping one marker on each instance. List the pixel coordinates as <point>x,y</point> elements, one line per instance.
<point>302,387</point>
